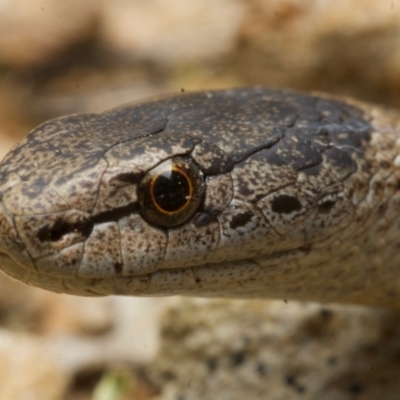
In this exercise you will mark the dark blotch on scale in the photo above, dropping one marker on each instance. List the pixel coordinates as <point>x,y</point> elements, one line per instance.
<point>35,189</point>
<point>240,220</point>
<point>60,228</point>
<point>118,268</point>
<point>285,204</point>
<point>326,206</point>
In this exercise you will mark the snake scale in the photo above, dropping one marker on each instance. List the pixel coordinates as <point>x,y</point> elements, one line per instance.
<point>236,193</point>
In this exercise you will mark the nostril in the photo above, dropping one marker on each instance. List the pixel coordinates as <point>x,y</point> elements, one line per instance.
<point>54,232</point>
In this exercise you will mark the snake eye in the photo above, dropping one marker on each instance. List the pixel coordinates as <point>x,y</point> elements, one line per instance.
<point>170,194</point>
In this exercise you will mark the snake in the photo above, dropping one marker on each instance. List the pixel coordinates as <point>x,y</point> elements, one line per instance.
<point>234,193</point>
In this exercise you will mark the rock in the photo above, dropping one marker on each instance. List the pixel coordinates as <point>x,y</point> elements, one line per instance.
<point>268,349</point>
<point>33,32</point>
<point>172,31</point>
<point>28,371</point>
<point>349,47</point>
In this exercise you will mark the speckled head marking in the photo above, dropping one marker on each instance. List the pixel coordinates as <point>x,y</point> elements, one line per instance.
<point>285,195</point>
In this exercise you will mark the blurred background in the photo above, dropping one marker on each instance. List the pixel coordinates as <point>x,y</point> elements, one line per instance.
<point>66,56</point>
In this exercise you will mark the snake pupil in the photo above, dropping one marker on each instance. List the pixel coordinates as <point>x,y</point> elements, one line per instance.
<point>171,191</point>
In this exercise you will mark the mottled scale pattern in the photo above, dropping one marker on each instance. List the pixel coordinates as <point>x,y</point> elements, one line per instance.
<point>301,200</point>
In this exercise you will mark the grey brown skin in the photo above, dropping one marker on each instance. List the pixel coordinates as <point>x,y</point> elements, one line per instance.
<point>301,200</point>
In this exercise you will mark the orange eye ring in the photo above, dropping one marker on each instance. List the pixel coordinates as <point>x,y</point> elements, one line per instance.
<point>171,193</point>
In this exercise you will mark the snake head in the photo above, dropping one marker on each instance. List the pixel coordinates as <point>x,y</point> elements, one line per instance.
<point>244,192</point>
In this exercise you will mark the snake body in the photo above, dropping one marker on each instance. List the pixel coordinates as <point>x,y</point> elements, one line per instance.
<point>297,197</point>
